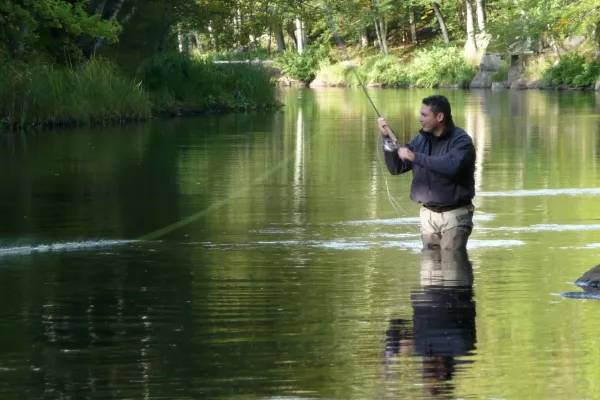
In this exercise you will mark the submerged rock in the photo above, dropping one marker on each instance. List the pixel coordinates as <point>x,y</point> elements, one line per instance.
<point>590,283</point>
<point>590,279</point>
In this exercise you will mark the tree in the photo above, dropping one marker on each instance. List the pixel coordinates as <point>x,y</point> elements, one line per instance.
<point>441,22</point>
<point>52,26</point>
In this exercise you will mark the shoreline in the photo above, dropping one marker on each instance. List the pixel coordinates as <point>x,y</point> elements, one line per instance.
<point>185,112</point>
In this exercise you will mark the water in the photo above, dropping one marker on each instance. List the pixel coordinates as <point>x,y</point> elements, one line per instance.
<point>259,256</point>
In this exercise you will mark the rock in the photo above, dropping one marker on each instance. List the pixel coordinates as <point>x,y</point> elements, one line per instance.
<point>499,85</point>
<point>491,62</point>
<point>572,42</point>
<point>514,73</point>
<point>562,87</point>
<point>590,279</point>
<point>318,82</point>
<point>489,65</point>
<point>483,79</point>
<point>534,85</point>
<point>519,84</point>
<point>451,86</point>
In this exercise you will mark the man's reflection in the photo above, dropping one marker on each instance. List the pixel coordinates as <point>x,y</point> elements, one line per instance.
<point>443,325</point>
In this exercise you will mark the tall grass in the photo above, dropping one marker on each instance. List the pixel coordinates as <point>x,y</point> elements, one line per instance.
<point>182,84</point>
<point>46,95</point>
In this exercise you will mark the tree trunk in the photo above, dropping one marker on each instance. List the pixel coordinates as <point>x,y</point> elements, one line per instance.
<point>480,16</point>
<point>195,42</point>
<point>377,32</point>
<point>299,35</point>
<point>554,46</point>
<point>413,27</point>
<point>471,42</point>
<point>179,38</point>
<point>441,22</point>
<point>597,40</point>
<point>99,9</point>
<point>381,28</point>
<point>289,29</point>
<point>279,38</point>
<point>20,43</point>
<point>211,34</point>
<point>364,38</point>
<point>381,25</point>
<point>165,25</point>
<point>237,27</point>
<point>113,15</point>
<point>270,35</point>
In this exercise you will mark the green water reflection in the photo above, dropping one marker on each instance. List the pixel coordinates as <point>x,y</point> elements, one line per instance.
<point>291,273</point>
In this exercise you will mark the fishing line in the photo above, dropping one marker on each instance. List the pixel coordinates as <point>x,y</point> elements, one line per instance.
<point>170,228</point>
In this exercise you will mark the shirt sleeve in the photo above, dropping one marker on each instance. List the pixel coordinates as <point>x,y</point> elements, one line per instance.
<point>393,162</point>
<point>460,156</point>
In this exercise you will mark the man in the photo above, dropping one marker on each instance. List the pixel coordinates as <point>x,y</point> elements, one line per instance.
<point>442,159</point>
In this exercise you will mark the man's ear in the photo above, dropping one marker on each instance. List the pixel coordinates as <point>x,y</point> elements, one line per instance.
<point>439,117</point>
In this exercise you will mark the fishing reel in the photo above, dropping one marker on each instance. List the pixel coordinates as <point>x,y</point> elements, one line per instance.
<point>390,145</point>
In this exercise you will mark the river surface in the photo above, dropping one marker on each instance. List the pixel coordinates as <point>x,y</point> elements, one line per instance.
<point>271,255</point>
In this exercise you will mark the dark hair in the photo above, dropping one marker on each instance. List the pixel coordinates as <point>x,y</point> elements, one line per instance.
<point>439,104</point>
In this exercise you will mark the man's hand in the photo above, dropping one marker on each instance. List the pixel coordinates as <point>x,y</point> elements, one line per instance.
<point>406,154</point>
<point>383,126</point>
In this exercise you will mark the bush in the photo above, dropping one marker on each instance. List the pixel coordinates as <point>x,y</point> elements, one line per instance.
<point>431,67</point>
<point>441,65</point>
<point>501,75</point>
<point>572,70</point>
<point>178,81</point>
<point>303,66</point>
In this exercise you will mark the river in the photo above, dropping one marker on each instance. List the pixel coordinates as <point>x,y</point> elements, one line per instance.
<point>271,255</point>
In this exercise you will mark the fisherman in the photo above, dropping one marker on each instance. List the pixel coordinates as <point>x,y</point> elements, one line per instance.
<point>442,159</point>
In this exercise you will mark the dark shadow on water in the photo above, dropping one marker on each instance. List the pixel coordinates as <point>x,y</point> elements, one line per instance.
<point>443,325</point>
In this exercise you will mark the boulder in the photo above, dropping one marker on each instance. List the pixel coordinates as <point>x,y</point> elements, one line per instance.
<point>318,82</point>
<point>489,65</point>
<point>519,84</point>
<point>590,279</point>
<point>499,85</point>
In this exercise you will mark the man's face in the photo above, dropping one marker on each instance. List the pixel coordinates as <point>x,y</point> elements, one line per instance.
<point>428,120</point>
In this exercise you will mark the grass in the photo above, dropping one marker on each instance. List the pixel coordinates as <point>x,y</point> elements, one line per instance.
<point>182,84</point>
<point>44,95</point>
<point>433,66</point>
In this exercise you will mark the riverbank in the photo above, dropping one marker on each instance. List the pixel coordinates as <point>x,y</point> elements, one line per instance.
<point>443,66</point>
<point>40,96</point>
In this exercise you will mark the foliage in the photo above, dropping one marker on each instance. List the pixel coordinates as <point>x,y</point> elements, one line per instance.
<point>430,67</point>
<point>501,75</point>
<point>32,23</point>
<point>572,70</point>
<point>536,68</point>
<point>302,66</point>
<point>441,65</point>
<point>94,92</point>
<point>178,82</point>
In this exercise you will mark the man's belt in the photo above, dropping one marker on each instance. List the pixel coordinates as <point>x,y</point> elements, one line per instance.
<point>441,209</point>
